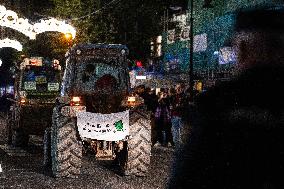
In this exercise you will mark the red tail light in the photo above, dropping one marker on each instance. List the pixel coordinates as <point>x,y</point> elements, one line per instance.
<point>75,101</point>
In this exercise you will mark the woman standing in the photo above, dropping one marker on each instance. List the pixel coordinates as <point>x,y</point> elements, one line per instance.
<point>163,120</point>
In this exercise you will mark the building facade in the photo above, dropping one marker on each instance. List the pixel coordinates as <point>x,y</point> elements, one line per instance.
<point>213,57</point>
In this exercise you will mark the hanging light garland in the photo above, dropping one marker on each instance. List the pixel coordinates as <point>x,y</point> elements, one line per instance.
<point>54,25</point>
<point>9,18</point>
<point>11,43</point>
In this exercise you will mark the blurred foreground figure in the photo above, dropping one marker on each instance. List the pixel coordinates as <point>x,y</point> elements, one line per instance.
<point>237,139</point>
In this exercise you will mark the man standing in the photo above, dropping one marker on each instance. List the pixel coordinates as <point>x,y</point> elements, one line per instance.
<point>237,140</point>
<point>177,108</point>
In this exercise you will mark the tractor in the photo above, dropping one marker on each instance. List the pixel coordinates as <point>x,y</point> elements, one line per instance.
<point>37,84</point>
<point>97,112</point>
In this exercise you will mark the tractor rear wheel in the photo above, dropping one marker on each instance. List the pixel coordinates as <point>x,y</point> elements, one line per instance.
<point>66,150</point>
<point>47,148</point>
<point>136,156</point>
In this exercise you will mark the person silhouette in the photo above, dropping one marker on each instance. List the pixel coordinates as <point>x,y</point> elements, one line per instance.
<point>237,132</point>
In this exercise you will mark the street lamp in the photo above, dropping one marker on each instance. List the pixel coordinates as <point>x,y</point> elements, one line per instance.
<point>68,37</point>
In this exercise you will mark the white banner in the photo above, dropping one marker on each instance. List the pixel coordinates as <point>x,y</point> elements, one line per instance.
<point>227,55</point>
<point>171,36</point>
<point>30,85</point>
<point>132,78</point>
<point>109,127</point>
<point>185,33</point>
<point>53,86</point>
<point>200,43</point>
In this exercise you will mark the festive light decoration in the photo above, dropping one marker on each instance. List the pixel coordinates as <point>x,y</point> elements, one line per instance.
<point>54,25</point>
<point>0,62</point>
<point>11,43</point>
<point>9,18</point>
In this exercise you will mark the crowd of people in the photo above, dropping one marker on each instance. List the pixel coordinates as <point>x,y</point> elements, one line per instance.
<point>169,109</point>
<point>236,137</point>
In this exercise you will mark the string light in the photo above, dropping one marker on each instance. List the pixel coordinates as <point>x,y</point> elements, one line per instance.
<point>11,43</point>
<point>96,11</point>
<point>54,25</point>
<point>9,18</point>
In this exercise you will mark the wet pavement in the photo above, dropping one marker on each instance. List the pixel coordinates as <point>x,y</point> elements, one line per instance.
<point>23,169</point>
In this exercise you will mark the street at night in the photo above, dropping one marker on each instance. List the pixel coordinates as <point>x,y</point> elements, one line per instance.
<point>147,94</point>
<point>23,169</point>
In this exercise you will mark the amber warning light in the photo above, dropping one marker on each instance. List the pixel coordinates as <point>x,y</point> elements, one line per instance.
<point>23,100</point>
<point>131,99</point>
<point>75,101</point>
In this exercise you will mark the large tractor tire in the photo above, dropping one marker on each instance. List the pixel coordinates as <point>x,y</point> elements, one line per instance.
<point>47,148</point>
<point>66,150</point>
<point>138,148</point>
<point>17,136</point>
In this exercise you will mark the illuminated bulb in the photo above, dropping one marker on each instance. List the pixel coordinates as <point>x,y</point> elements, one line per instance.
<point>68,35</point>
<point>76,99</point>
<point>131,99</point>
<point>23,100</point>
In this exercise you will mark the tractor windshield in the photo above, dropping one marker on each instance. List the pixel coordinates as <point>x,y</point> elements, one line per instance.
<point>40,80</point>
<point>93,76</point>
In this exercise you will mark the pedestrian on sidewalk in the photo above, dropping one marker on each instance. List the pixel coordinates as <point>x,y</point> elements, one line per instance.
<point>163,121</point>
<point>176,117</point>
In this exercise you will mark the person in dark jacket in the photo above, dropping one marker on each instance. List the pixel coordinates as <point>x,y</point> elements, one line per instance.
<point>177,108</point>
<point>163,121</point>
<point>237,136</point>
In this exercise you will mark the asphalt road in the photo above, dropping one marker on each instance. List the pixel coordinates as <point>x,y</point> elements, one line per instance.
<point>22,169</point>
